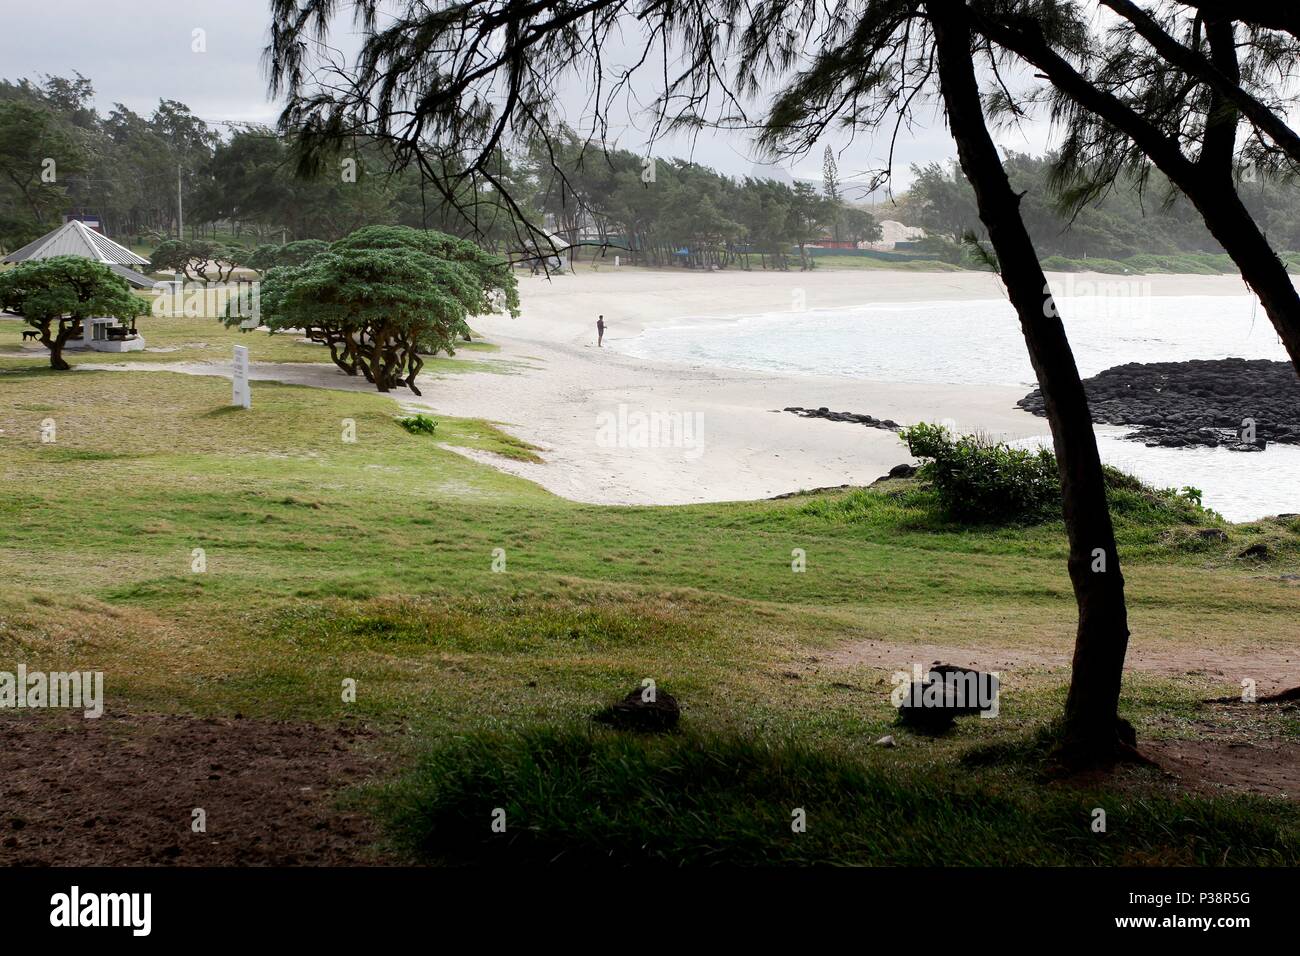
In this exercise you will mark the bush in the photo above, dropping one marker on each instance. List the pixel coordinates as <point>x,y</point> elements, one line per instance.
<point>983,481</point>
<point>980,481</point>
<point>419,424</point>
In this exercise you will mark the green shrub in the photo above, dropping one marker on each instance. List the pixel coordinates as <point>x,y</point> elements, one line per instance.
<point>1059,264</point>
<point>419,424</point>
<point>983,481</point>
<point>980,481</point>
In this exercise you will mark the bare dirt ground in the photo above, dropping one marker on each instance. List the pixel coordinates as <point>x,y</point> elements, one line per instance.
<point>1271,668</point>
<point>122,791</point>
<point>1216,762</point>
<point>1269,768</point>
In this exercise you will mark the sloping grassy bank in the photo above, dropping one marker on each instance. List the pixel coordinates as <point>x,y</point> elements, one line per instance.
<point>375,561</point>
<point>576,796</point>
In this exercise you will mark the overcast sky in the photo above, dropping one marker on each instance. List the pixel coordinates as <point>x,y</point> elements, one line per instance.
<point>139,51</point>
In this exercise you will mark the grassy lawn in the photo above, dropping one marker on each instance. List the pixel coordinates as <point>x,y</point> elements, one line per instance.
<point>203,338</point>
<point>373,560</point>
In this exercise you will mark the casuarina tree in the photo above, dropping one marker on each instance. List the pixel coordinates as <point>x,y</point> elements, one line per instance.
<point>1185,89</point>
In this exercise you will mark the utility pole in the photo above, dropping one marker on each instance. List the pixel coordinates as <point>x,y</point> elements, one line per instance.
<point>180,213</point>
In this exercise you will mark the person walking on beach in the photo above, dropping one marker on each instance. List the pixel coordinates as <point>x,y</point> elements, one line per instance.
<point>600,330</point>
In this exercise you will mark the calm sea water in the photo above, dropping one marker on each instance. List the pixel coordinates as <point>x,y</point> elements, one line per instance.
<point>979,342</point>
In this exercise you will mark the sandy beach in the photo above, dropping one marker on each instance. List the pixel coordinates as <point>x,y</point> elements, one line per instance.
<point>721,435</point>
<point>569,397</point>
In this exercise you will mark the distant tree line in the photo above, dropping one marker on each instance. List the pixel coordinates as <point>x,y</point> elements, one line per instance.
<point>243,184</point>
<point>240,187</point>
<point>675,212</point>
<point>1129,219</point>
<point>57,154</point>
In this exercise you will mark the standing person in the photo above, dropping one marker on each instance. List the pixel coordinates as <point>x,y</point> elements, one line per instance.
<point>600,330</point>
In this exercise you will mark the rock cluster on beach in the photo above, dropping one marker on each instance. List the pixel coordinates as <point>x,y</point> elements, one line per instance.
<point>886,423</point>
<point>1209,403</point>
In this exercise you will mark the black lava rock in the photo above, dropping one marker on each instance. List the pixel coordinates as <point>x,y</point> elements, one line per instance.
<point>1237,404</point>
<point>947,692</point>
<point>852,418</point>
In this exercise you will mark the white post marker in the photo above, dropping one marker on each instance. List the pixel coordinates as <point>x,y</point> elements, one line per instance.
<point>243,395</point>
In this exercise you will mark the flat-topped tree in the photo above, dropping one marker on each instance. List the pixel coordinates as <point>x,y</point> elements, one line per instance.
<point>500,291</point>
<point>54,295</point>
<point>269,255</point>
<point>381,298</point>
<point>199,259</point>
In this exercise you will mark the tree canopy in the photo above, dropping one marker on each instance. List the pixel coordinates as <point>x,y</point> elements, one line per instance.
<point>384,296</point>
<point>54,295</point>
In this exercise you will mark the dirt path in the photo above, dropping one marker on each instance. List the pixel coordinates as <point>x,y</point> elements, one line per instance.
<point>1269,768</point>
<point>1272,668</point>
<point>122,791</point>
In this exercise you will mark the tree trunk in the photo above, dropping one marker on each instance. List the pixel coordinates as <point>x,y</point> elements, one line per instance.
<point>56,343</point>
<point>1093,731</point>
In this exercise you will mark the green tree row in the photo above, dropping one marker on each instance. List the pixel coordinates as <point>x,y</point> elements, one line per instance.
<point>1131,218</point>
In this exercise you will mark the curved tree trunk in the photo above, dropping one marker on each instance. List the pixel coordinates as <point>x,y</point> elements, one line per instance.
<point>1214,198</point>
<point>1093,731</point>
<point>55,343</point>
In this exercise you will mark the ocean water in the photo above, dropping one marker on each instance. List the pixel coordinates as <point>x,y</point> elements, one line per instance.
<point>978,342</point>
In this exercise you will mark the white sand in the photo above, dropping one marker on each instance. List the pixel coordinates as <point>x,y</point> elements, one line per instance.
<point>747,447</point>
<point>564,394</point>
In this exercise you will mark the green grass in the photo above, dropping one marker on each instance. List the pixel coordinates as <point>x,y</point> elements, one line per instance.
<point>1180,263</point>
<point>204,339</point>
<point>580,796</point>
<point>859,263</point>
<point>374,560</point>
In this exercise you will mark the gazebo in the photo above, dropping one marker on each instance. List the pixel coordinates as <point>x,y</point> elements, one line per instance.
<point>75,238</point>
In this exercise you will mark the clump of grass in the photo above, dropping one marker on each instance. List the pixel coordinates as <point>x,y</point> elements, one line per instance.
<point>584,796</point>
<point>1130,498</point>
<point>419,424</point>
<point>903,502</point>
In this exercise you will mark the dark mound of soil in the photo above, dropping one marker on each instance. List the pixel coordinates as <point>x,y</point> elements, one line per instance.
<point>1238,404</point>
<point>635,712</point>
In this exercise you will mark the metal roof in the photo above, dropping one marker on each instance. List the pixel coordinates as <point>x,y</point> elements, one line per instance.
<point>133,277</point>
<point>75,238</point>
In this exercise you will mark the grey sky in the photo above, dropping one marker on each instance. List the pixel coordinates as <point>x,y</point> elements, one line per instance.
<point>139,51</point>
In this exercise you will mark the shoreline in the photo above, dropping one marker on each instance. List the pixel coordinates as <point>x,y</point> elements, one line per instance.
<point>616,429</point>
<point>563,387</point>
